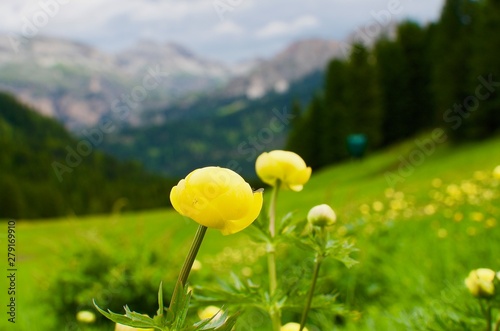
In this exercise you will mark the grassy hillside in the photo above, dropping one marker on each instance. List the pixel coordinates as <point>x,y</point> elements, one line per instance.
<point>417,240</point>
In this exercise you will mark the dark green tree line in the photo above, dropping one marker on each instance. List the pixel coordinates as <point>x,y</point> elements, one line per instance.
<point>445,74</point>
<point>30,187</point>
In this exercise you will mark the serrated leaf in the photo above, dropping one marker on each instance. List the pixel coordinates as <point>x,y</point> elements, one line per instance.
<point>130,319</point>
<point>347,261</point>
<point>179,306</point>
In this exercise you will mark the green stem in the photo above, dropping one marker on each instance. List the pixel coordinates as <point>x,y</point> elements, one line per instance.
<point>271,266</point>
<point>272,209</point>
<point>497,325</point>
<point>307,307</point>
<point>488,317</point>
<point>193,251</point>
<point>275,312</point>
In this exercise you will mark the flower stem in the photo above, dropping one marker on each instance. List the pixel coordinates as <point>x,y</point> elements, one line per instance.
<point>274,312</point>
<point>497,325</point>
<point>488,317</point>
<point>272,209</point>
<point>188,262</point>
<point>317,265</point>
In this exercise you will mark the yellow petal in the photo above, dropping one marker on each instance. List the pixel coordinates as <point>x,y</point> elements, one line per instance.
<point>296,188</point>
<point>268,169</point>
<point>302,176</point>
<point>235,203</point>
<point>240,224</point>
<point>174,196</point>
<point>485,274</point>
<point>285,166</point>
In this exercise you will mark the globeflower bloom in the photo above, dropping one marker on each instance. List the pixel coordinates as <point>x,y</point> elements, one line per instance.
<point>217,198</point>
<point>292,327</point>
<point>286,167</point>
<point>480,282</point>
<point>322,215</point>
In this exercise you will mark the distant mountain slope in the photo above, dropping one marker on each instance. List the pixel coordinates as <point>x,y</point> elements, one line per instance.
<point>44,171</point>
<point>296,61</point>
<point>227,132</point>
<point>79,85</point>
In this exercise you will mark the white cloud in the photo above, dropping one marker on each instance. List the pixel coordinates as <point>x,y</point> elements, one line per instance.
<point>228,28</point>
<point>280,28</point>
<point>265,25</point>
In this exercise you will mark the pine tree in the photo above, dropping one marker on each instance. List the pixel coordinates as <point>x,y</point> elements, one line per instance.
<point>416,75</point>
<point>451,54</point>
<point>362,96</point>
<point>392,83</point>
<point>335,123</point>
<point>485,119</point>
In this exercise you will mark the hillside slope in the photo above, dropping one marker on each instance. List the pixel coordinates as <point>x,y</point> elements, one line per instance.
<point>414,254</point>
<point>45,172</point>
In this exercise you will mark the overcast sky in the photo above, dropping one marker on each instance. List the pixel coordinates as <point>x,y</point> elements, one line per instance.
<point>227,30</point>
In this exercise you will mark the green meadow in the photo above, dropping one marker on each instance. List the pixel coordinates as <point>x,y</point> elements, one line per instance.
<point>417,240</point>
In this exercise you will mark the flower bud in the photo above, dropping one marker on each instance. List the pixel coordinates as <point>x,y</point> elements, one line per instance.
<point>292,327</point>
<point>496,172</point>
<point>209,312</point>
<point>85,316</point>
<point>322,215</point>
<point>196,266</point>
<point>286,167</point>
<point>480,282</point>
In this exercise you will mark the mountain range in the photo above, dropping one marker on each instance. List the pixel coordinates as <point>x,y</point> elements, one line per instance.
<point>79,85</point>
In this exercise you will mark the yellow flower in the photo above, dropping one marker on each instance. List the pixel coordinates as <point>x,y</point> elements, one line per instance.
<point>322,215</point>
<point>287,167</point>
<point>85,316</point>
<point>209,312</point>
<point>496,172</point>
<point>217,198</point>
<point>121,327</point>
<point>196,265</point>
<point>292,327</point>
<point>480,282</point>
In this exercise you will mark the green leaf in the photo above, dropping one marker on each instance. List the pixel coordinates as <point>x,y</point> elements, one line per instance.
<point>132,319</point>
<point>160,310</point>
<point>341,251</point>
<point>179,306</point>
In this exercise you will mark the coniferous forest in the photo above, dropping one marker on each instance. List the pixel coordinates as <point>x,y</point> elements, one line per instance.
<point>45,172</point>
<point>445,74</point>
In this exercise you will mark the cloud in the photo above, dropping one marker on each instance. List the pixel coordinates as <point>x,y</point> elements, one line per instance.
<point>249,28</point>
<point>228,28</point>
<point>280,28</point>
